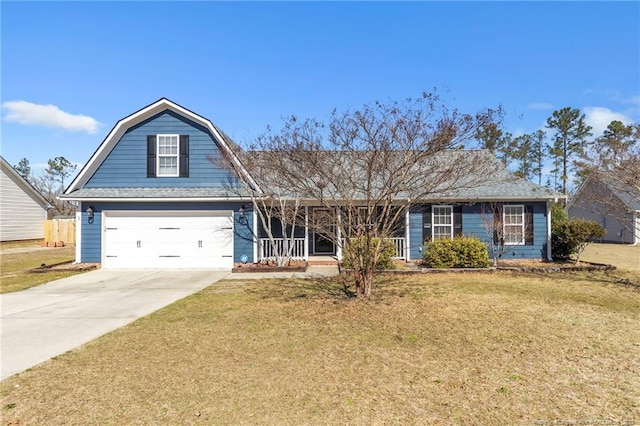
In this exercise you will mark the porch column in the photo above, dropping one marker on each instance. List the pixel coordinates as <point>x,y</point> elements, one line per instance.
<point>338,236</point>
<point>256,235</point>
<point>407,240</point>
<point>306,233</point>
<point>78,231</point>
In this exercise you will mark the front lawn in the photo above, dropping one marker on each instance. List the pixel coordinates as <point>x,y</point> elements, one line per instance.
<point>623,256</point>
<point>14,266</point>
<point>499,348</point>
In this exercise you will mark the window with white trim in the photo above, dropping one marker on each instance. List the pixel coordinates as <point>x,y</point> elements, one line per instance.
<point>168,155</point>
<point>442,220</point>
<point>513,224</point>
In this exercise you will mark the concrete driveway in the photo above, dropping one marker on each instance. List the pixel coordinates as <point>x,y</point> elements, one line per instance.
<point>45,321</point>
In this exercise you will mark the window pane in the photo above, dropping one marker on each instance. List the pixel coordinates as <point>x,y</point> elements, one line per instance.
<point>168,165</point>
<point>167,145</point>
<point>513,224</point>
<point>441,232</point>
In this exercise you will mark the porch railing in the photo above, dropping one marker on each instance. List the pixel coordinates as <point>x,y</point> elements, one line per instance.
<point>399,243</point>
<point>269,250</point>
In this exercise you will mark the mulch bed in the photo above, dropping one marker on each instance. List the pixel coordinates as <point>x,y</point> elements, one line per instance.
<point>64,266</point>
<point>263,267</point>
<point>522,265</point>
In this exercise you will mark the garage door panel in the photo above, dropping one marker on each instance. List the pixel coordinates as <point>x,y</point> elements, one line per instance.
<point>163,240</point>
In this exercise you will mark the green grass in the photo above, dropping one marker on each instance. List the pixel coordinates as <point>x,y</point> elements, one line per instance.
<point>14,267</point>
<point>497,348</point>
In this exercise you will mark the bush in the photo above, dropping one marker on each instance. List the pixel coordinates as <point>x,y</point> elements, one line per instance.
<point>385,261</point>
<point>571,236</point>
<point>558,214</point>
<point>461,252</point>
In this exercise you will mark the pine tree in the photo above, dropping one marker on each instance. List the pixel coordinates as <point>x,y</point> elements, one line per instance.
<point>571,133</point>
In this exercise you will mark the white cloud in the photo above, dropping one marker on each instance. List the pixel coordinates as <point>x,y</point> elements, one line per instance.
<point>31,114</point>
<point>599,118</point>
<point>540,105</point>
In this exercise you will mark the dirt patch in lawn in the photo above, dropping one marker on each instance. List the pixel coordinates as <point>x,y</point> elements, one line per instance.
<point>500,348</point>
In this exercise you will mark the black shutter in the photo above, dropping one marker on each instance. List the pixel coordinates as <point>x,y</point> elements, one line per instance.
<point>528,225</point>
<point>151,155</point>
<point>426,224</point>
<point>498,225</point>
<point>184,155</point>
<point>457,220</point>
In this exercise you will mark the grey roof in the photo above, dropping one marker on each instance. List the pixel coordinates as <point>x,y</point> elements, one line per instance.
<point>155,193</point>
<point>456,176</point>
<point>478,176</point>
<point>514,189</point>
<point>629,195</point>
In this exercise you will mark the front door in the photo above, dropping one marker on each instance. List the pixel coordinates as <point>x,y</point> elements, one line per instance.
<point>322,245</point>
<point>323,223</point>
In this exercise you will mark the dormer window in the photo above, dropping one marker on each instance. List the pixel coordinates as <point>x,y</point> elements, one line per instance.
<point>167,155</point>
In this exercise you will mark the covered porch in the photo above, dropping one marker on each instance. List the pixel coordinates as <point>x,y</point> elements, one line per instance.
<point>308,244</point>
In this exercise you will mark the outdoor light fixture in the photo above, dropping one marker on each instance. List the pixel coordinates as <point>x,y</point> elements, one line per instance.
<point>90,214</point>
<point>241,211</point>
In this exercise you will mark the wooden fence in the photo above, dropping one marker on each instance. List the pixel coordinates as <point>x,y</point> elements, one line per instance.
<point>56,230</point>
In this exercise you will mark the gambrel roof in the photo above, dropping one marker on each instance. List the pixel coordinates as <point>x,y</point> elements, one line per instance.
<point>138,117</point>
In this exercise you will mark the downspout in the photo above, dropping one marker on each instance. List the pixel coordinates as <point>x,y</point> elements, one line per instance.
<point>636,228</point>
<point>79,232</point>
<point>339,236</point>
<point>549,253</point>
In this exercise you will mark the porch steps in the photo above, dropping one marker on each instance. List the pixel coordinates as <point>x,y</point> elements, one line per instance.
<point>322,260</point>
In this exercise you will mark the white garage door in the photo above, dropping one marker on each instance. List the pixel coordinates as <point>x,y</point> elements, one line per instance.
<point>169,239</point>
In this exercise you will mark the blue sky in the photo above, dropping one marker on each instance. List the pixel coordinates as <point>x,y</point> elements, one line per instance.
<point>71,70</point>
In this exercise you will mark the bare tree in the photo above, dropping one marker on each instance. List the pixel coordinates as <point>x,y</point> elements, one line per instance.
<point>51,184</point>
<point>279,211</point>
<point>364,169</point>
<point>613,161</point>
<point>503,235</point>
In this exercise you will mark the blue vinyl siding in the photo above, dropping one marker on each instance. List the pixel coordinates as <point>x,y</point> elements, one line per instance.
<point>91,250</point>
<point>473,224</point>
<point>126,165</point>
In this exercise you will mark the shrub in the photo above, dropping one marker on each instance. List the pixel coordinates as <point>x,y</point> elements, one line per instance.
<point>558,214</point>
<point>571,236</point>
<point>357,245</point>
<point>460,252</point>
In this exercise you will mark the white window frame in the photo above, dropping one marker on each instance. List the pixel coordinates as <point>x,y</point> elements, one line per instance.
<point>434,224</point>
<point>176,155</point>
<point>505,224</point>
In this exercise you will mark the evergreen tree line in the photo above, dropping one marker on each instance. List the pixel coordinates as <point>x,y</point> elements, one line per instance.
<point>568,146</point>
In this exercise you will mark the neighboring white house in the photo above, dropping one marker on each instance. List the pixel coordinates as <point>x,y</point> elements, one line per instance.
<point>23,210</point>
<point>613,204</point>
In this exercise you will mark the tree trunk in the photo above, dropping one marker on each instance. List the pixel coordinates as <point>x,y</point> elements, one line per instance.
<point>364,282</point>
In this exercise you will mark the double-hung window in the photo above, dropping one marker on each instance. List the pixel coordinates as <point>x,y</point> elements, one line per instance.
<point>442,220</point>
<point>168,154</point>
<point>513,222</point>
